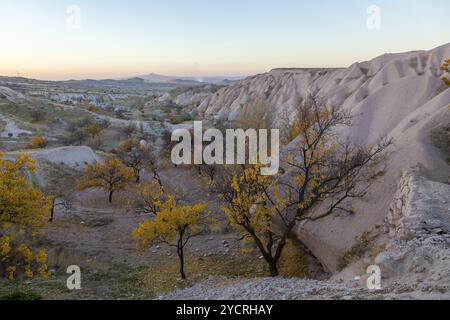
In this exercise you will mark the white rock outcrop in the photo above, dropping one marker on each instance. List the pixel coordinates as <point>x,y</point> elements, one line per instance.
<point>73,157</point>
<point>419,229</point>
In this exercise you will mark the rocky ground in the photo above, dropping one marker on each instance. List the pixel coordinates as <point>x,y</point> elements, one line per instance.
<point>300,289</point>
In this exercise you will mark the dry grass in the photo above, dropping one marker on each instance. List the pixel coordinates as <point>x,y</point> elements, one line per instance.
<point>292,263</point>
<point>164,278</point>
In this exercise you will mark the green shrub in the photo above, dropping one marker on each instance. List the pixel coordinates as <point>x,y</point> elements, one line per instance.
<point>20,295</point>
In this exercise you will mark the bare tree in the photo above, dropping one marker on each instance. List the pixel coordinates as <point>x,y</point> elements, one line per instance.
<point>129,130</point>
<point>138,157</point>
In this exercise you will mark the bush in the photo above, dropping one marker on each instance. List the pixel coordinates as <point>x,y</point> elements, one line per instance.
<point>129,130</point>
<point>37,143</point>
<point>174,120</point>
<point>94,142</point>
<point>92,109</point>
<point>75,137</point>
<point>186,117</point>
<point>93,131</point>
<point>19,295</point>
<point>37,115</point>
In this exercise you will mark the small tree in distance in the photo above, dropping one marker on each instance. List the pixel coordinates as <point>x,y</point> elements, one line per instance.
<point>138,157</point>
<point>446,71</point>
<point>110,176</point>
<point>37,143</point>
<point>93,131</point>
<point>150,199</point>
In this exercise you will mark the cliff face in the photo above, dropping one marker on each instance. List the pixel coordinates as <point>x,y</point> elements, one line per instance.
<point>385,89</point>
<point>395,95</point>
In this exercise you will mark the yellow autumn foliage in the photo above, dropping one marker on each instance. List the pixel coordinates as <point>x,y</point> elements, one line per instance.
<point>24,210</point>
<point>170,222</point>
<point>151,196</point>
<point>446,71</point>
<point>37,143</point>
<point>173,225</point>
<point>93,131</point>
<point>111,176</point>
<point>247,207</point>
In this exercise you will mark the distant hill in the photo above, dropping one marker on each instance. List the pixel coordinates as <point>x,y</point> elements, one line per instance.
<point>157,78</point>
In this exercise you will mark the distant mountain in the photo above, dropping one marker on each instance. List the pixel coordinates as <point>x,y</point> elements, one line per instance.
<point>157,78</point>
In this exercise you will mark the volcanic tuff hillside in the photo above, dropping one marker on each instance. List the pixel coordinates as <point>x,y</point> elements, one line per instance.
<point>394,95</point>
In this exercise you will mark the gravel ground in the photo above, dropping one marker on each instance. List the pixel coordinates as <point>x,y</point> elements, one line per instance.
<point>300,289</point>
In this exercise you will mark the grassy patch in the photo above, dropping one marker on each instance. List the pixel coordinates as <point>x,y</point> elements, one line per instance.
<point>164,278</point>
<point>21,295</point>
<point>126,282</point>
<point>292,263</point>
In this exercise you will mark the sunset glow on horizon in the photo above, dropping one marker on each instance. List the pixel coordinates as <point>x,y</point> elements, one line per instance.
<point>203,38</point>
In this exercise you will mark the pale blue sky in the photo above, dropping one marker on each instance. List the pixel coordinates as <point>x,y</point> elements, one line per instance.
<point>207,37</point>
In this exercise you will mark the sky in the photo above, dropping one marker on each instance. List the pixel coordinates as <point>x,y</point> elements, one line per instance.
<point>48,39</point>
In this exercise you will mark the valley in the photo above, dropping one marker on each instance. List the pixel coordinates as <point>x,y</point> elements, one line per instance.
<point>402,225</point>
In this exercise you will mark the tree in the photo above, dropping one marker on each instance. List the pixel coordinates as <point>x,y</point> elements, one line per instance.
<point>93,131</point>
<point>321,174</point>
<point>37,114</point>
<point>24,210</point>
<point>150,199</point>
<point>446,70</point>
<point>137,157</point>
<point>59,186</point>
<point>110,176</point>
<point>210,170</point>
<point>37,143</point>
<point>76,136</point>
<point>129,130</point>
<point>173,225</point>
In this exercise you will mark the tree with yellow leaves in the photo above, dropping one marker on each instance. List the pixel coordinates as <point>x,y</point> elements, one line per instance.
<point>37,143</point>
<point>446,71</point>
<point>150,199</point>
<point>173,225</point>
<point>24,210</point>
<point>111,176</point>
<point>93,131</point>
<point>320,174</point>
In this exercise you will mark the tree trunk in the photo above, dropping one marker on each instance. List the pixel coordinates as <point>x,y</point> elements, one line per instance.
<point>52,210</point>
<point>181,256</point>
<point>110,196</point>
<point>137,173</point>
<point>273,268</point>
